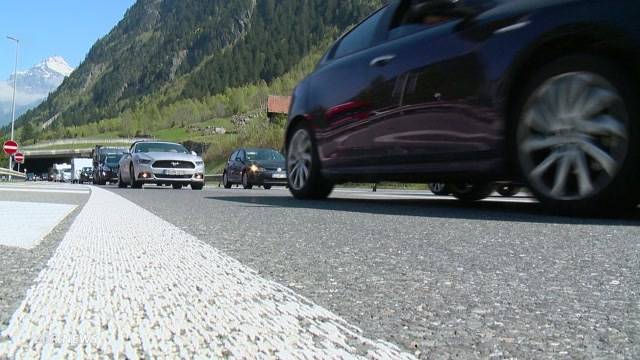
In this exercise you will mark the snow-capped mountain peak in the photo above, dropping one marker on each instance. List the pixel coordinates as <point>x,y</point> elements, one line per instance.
<point>57,64</point>
<point>33,85</point>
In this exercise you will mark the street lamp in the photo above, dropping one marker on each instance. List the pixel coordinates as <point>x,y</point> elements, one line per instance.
<point>15,83</point>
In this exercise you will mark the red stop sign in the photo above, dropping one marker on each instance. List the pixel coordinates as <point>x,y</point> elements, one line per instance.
<point>10,147</point>
<point>19,158</point>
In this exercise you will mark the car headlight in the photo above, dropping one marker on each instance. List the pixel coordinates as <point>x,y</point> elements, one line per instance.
<point>199,163</point>
<point>144,161</point>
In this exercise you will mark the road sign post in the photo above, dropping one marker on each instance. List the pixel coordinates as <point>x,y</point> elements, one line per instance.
<point>10,147</point>
<point>19,158</point>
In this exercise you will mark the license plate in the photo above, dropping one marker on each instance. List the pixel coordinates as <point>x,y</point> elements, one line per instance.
<point>173,172</point>
<point>280,176</point>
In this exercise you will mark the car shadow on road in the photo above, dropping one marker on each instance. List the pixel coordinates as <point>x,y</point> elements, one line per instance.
<point>435,208</point>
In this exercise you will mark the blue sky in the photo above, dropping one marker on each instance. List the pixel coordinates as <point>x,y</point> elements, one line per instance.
<point>67,28</point>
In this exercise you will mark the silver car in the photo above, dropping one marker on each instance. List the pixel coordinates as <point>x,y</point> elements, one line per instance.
<point>154,162</point>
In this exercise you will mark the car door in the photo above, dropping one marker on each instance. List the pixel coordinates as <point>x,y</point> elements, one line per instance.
<point>238,165</point>
<point>341,96</point>
<point>435,85</point>
<point>125,164</point>
<point>229,166</point>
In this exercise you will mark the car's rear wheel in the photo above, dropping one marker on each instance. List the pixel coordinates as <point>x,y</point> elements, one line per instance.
<point>508,190</point>
<point>132,179</point>
<point>470,192</point>
<point>267,187</point>
<point>577,137</point>
<point>176,186</point>
<point>303,167</point>
<point>225,181</point>
<point>245,181</point>
<point>440,189</point>
<point>197,186</point>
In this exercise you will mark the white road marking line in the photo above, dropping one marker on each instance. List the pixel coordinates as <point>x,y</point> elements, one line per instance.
<point>125,283</point>
<point>25,224</point>
<point>41,190</point>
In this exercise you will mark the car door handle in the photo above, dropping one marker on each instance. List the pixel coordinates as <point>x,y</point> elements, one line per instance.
<point>382,60</point>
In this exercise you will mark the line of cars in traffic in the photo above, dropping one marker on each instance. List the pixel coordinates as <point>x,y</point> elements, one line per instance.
<point>170,164</point>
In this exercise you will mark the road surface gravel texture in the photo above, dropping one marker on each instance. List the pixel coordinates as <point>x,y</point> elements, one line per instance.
<point>125,283</point>
<point>442,279</point>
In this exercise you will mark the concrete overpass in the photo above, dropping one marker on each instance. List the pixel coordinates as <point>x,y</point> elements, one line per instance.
<point>39,161</point>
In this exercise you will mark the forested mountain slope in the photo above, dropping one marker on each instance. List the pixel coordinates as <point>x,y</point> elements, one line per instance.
<point>191,49</point>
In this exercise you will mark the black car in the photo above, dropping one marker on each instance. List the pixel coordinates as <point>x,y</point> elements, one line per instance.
<point>108,169</point>
<point>259,167</point>
<point>542,93</point>
<point>86,175</point>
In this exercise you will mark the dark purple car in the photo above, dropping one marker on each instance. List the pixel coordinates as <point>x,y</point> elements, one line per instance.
<point>542,93</point>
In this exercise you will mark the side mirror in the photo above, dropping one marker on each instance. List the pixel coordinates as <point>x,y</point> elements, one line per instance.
<point>194,153</point>
<point>450,8</point>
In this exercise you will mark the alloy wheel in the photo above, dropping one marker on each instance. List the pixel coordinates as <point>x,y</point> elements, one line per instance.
<point>299,159</point>
<point>573,136</point>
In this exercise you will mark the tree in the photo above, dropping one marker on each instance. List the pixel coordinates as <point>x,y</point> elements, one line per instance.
<point>27,133</point>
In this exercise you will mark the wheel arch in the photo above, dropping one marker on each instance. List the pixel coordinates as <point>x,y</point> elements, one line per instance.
<point>293,123</point>
<point>585,39</point>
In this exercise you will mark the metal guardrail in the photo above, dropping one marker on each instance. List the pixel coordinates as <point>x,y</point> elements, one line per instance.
<point>5,173</point>
<point>213,178</point>
<point>81,141</point>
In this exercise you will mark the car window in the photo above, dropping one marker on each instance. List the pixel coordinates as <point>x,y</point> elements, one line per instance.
<point>264,155</point>
<point>360,37</point>
<point>233,156</point>
<point>405,23</point>
<point>150,147</point>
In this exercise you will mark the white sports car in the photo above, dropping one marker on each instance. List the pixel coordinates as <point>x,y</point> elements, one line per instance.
<point>154,162</point>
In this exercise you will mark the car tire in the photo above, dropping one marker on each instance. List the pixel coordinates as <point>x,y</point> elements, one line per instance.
<point>588,161</point>
<point>225,181</point>
<point>304,177</point>
<point>197,186</point>
<point>470,192</point>
<point>245,181</point>
<point>267,187</point>
<point>439,189</point>
<point>121,184</point>
<point>508,190</point>
<point>176,186</point>
<point>132,176</point>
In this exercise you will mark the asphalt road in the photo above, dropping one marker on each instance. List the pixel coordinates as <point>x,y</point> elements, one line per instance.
<point>439,278</point>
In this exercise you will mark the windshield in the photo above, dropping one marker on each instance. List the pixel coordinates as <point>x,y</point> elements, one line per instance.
<point>161,147</point>
<point>264,155</point>
<point>112,158</point>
